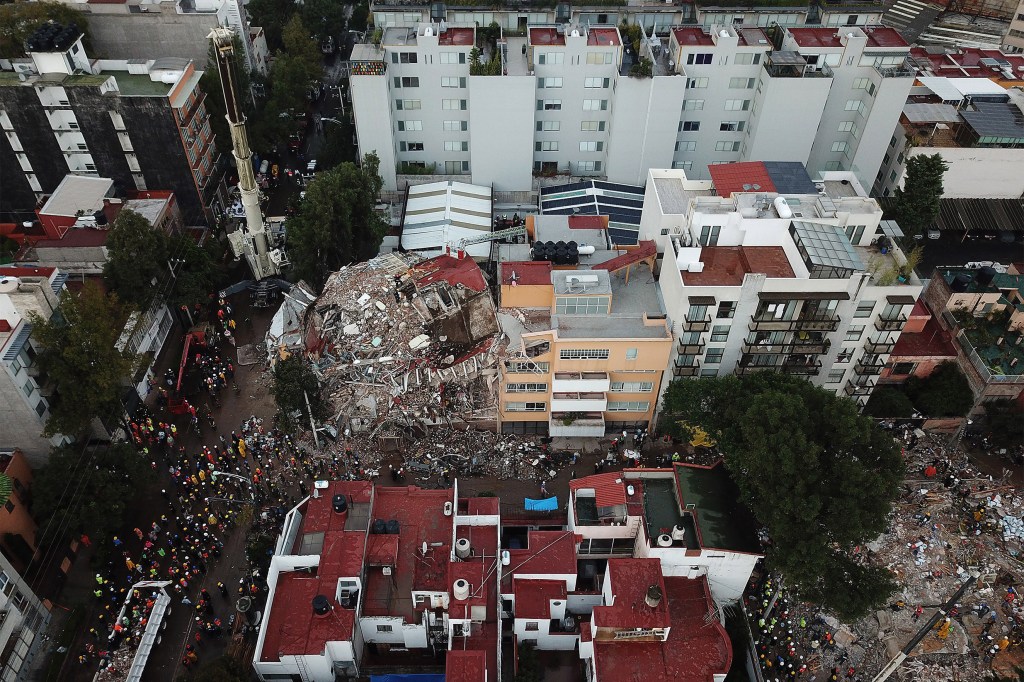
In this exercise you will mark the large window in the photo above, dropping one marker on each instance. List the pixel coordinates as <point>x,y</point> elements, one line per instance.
<point>581,305</point>
<point>629,406</point>
<point>526,407</point>
<point>699,58</point>
<point>549,105</point>
<point>709,235</point>
<point>456,125</point>
<point>453,81</point>
<point>595,105</point>
<point>631,387</point>
<point>528,387</point>
<point>526,367</point>
<point>453,104</point>
<point>583,354</point>
<point>864,309</point>
<point>720,333</point>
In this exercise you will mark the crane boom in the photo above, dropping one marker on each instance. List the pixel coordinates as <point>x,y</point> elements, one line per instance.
<point>494,236</point>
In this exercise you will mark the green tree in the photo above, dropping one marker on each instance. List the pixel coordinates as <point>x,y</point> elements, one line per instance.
<point>273,16</point>
<point>943,393</point>
<point>889,402</point>
<point>223,669</point>
<point>818,475</point>
<point>19,20</point>
<point>1005,422</point>
<point>105,483</point>
<point>198,272</point>
<point>294,381</point>
<point>336,223</point>
<point>79,355</point>
<point>324,18</point>
<point>136,259</point>
<point>916,203</point>
<point>360,17</point>
<point>529,669</point>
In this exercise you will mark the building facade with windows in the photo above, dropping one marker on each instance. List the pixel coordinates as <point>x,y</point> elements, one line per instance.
<point>792,277</point>
<point>141,123</point>
<point>23,618</point>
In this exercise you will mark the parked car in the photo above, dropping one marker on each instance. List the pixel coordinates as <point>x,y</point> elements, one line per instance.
<point>295,142</point>
<point>934,233</point>
<point>310,171</point>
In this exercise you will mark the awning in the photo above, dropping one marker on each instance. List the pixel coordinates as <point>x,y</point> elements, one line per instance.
<point>804,296</point>
<point>900,300</point>
<point>702,300</point>
<point>550,504</point>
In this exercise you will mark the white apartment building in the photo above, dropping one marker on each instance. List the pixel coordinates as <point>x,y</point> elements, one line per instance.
<point>565,103</point>
<point>24,618</point>
<point>758,277</point>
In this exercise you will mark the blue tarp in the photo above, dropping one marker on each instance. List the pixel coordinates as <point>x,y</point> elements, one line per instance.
<point>406,678</point>
<point>550,504</point>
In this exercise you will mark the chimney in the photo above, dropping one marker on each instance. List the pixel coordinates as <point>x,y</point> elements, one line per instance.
<point>653,596</point>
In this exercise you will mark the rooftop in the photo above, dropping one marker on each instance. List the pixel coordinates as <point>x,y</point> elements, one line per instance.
<point>691,36</point>
<point>621,203</point>
<point>533,597</point>
<point>726,266</point>
<point>527,273</point>
<point>457,36</point>
<point>26,271</point>
<point>630,581</point>
<point>77,195</point>
<point>784,177</point>
<point>603,35</point>
<point>999,120</point>
<point>931,342</point>
<point>877,36</point>
<point>139,85</point>
<point>455,271</point>
<point>545,36</point>
<point>752,37</point>
<point>674,195</point>
<point>547,552</point>
<point>969,62</point>
<point>723,521</point>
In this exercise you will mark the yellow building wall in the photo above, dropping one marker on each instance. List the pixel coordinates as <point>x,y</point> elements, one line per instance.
<point>527,296</point>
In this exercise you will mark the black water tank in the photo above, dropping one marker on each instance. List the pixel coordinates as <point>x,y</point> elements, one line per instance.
<point>393,527</point>
<point>101,217</point>
<point>339,504</point>
<point>379,527</point>
<point>320,605</point>
<point>985,276</point>
<point>961,282</point>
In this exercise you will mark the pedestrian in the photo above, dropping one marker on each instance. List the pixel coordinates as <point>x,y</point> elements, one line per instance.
<point>917,612</point>
<point>86,542</point>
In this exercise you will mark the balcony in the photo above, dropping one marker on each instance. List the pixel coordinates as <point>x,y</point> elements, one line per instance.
<point>580,382</point>
<point>751,369</point>
<point>811,323</point>
<point>879,347</point>
<point>579,402</point>
<point>890,324</point>
<point>696,325</point>
<point>799,347</point>
<point>869,368</point>
<point>782,65</point>
<point>685,369</point>
<point>589,424</point>
<point>902,71</point>
<point>858,390</point>
<point>690,348</point>
<point>809,367</point>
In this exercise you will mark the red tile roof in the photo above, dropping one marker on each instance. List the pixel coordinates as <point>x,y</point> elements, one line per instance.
<point>630,580</point>
<point>688,36</point>
<point>931,342</point>
<point>527,272</point>
<point>726,266</point>
<point>883,36</point>
<point>546,36</point>
<point>456,36</point>
<point>19,271</point>
<point>465,666</point>
<point>85,236</point>
<point>752,37</point>
<point>645,249</point>
<point>534,597</point>
<point>603,36</point>
<point>587,222</point>
<point>381,550</point>
<point>490,506</point>
<point>455,271</point>
<point>695,651</point>
<point>548,552</point>
<point>609,488</point>
<point>293,628</point>
<point>731,177</point>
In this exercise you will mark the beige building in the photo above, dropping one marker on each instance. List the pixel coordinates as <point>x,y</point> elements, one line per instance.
<point>589,340</point>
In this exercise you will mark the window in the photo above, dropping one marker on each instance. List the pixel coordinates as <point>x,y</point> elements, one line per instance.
<point>456,167</point>
<point>709,235</point>
<point>550,58</point>
<point>748,58</point>
<point>581,305</point>
<point>532,626</point>
<point>844,356</point>
<point>720,333</point>
<point>410,146</point>
<point>546,146</point>
<point>699,58</point>
<point>526,407</point>
<point>629,406</point>
<point>846,126</point>
<point>839,146</point>
<point>631,387</point>
<point>383,628</point>
<point>29,388</point>
<point>549,105</point>
<point>689,126</point>
<point>16,365</point>
<point>583,354</point>
<point>854,233</point>
<point>595,82</point>
<point>526,388</point>
<point>41,407</point>
<point>861,83</point>
<point>588,166</point>
<point>456,145</point>
<point>407,82</point>
<point>407,104</point>
<point>527,367</point>
<point>903,368</point>
<point>592,126</point>
<point>737,105</point>
<point>835,376</point>
<point>855,105</point>
<point>732,126</point>
<point>631,353</point>
<point>726,310</point>
<point>453,58</point>
<point>453,81</point>
<point>692,83</point>
<point>727,146</point>
<point>693,105</point>
<point>742,83</point>
<point>595,105</point>
<point>591,146</point>
<point>548,126</point>
<point>854,333</point>
<point>549,82</point>
<point>453,104</point>
<point>599,58</point>
<point>456,125</point>
<point>709,373</point>
<point>409,126</point>
<point>684,165</point>
<point>686,146</point>
<point>864,309</point>
<point>714,356</point>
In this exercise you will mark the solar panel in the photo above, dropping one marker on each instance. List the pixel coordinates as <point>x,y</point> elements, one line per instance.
<point>826,245</point>
<point>995,119</point>
<point>930,113</point>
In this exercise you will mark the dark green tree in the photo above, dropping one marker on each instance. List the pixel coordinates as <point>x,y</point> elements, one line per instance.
<point>137,255</point>
<point>199,271</point>
<point>943,393</point>
<point>273,16</point>
<point>294,381</point>
<point>360,16</point>
<point>820,477</point>
<point>916,203</point>
<point>888,402</point>
<point>529,668</point>
<point>223,669</point>
<point>19,20</point>
<point>105,480</point>
<point>324,18</point>
<point>79,355</point>
<point>336,223</point>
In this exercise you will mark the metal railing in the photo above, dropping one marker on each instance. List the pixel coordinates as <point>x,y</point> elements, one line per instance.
<point>813,323</point>
<point>986,372</point>
<point>890,324</point>
<point>879,347</point>
<point>696,325</point>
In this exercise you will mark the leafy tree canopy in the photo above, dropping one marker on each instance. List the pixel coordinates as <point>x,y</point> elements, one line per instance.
<point>19,20</point>
<point>79,355</point>
<point>336,223</point>
<point>198,270</point>
<point>110,478</point>
<point>272,15</point>
<point>293,382</point>
<point>917,201</point>
<point>819,476</point>
<point>324,18</point>
<point>943,393</point>
<point>136,256</point>
<point>889,402</point>
<point>223,669</point>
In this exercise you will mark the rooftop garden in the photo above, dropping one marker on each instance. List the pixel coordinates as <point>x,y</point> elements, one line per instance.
<point>998,348</point>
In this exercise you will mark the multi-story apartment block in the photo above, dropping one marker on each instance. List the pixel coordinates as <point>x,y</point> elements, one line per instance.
<point>968,109</point>
<point>1013,41</point>
<point>25,618</point>
<point>569,99</point>
<point>771,272</point>
<point>144,125</point>
<point>590,356</point>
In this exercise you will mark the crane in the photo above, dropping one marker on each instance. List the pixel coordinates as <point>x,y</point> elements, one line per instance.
<point>493,236</point>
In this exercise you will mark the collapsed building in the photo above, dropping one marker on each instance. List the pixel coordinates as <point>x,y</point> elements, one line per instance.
<point>403,344</point>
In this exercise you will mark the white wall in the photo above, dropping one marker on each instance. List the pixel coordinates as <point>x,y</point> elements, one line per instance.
<point>646,118</point>
<point>371,107</point>
<point>979,173</point>
<point>786,105</point>
<point>501,116</point>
